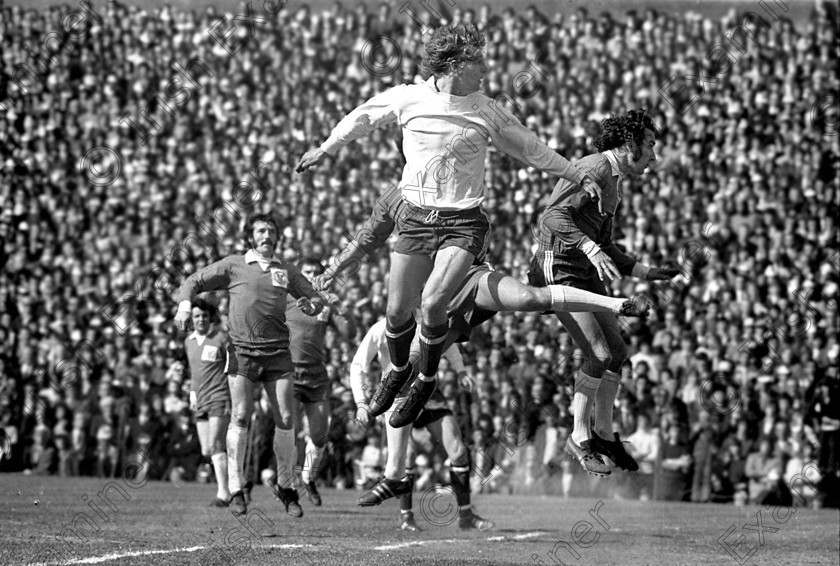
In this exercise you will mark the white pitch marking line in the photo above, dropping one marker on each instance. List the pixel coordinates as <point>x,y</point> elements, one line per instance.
<point>489,539</point>
<point>414,543</point>
<point>115,556</point>
<point>523,536</point>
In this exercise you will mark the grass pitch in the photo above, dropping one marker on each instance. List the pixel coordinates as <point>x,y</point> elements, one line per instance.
<point>92,521</point>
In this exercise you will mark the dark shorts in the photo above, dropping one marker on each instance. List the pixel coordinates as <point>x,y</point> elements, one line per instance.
<point>462,306</point>
<point>436,408</point>
<point>212,408</point>
<point>259,368</point>
<point>312,384</point>
<point>420,234</point>
<point>536,277</point>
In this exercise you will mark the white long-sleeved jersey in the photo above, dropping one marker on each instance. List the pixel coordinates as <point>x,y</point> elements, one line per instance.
<point>445,139</point>
<point>375,344</point>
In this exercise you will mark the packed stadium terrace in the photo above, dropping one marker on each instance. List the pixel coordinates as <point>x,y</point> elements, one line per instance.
<point>732,388</point>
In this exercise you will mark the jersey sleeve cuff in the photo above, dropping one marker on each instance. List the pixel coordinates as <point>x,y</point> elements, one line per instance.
<point>589,247</point>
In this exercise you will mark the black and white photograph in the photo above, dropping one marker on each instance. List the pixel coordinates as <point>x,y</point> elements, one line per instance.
<point>433,282</point>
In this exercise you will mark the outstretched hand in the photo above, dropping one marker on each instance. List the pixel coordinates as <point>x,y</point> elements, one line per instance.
<point>310,159</point>
<point>323,282</point>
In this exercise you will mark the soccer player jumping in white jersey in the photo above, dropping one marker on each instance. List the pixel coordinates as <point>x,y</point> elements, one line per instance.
<point>446,124</point>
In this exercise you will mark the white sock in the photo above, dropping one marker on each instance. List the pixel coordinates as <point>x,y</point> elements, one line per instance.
<point>311,462</point>
<point>586,388</point>
<point>237,440</point>
<point>604,402</point>
<point>220,467</point>
<point>286,455</point>
<point>569,299</point>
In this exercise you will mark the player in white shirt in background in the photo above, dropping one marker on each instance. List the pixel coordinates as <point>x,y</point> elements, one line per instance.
<point>436,417</point>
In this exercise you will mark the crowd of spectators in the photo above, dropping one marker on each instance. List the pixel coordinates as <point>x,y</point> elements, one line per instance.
<point>732,388</point>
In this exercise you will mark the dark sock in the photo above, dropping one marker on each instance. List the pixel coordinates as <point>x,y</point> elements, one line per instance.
<point>399,341</point>
<point>432,341</point>
<point>459,476</point>
<point>425,386</point>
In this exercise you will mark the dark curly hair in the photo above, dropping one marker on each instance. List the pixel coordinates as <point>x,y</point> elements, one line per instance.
<point>627,129</point>
<point>449,45</point>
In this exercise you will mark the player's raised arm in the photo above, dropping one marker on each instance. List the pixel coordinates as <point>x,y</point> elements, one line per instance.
<point>214,277</point>
<point>309,301</point>
<point>521,143</point>
<point>379,111</point>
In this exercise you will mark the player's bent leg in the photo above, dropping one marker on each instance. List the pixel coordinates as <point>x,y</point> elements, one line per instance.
<point>447,431</point>
<point>242,403</point>
<point>408,275</point>
<point>393,484</point>
<point>604,440</point>
<point>281,400</point>
<point>218,426</point>
<point>450,269</point>
<point>318,417</point>
<point>588,336</point>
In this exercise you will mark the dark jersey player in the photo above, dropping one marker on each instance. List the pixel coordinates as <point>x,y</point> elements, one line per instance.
<point>436,417</point>
<point>574,234</point>
<point>206,350</point>
<point>312,384</point>
<point>258,283</point>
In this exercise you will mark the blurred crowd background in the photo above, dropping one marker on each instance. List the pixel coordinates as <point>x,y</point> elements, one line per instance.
<point>732,387</point>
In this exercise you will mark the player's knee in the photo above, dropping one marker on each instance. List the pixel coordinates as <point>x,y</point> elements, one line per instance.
<point>596,360</point>
<point>434,305</point>
<point>240,420</point>
<point>397,315</point>
<point>618,353</point>
<point>219,446</point>
<point>284,421</point>
<point>459,457</point>
<point>533,299</point>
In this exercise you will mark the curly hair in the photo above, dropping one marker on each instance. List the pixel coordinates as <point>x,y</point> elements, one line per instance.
<point>450,45</point>
<point>628,129</point>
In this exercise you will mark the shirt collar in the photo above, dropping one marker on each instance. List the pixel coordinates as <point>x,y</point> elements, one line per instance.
<point>195,335</point>
<point>251,256</point>
<point>613,159</point>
